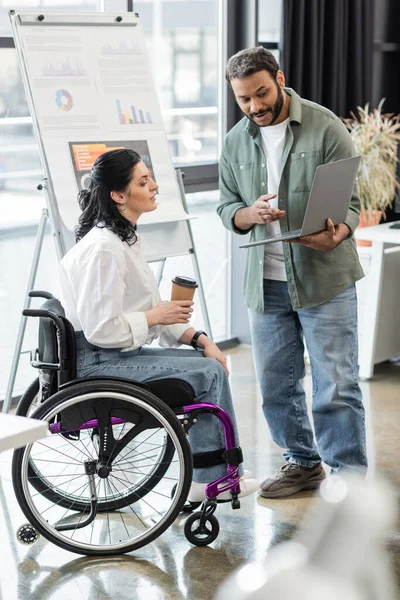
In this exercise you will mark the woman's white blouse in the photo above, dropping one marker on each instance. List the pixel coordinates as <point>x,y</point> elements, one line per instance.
<point>106,286</point>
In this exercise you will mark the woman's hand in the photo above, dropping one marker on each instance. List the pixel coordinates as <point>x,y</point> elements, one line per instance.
<point>211,350</point>
<point>169,313</point>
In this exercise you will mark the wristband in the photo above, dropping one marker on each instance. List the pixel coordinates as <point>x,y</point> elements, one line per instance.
<point>196,336</point>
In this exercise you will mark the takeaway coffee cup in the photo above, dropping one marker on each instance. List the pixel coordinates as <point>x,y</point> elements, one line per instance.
<point>183,288</point>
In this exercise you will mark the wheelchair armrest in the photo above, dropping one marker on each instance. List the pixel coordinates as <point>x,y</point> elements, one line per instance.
<point>39,312</point>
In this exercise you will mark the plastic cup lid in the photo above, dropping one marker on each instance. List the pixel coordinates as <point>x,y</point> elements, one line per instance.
<point>185,281</point>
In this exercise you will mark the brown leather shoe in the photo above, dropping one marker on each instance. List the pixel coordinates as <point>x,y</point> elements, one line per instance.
<point>292,478</point>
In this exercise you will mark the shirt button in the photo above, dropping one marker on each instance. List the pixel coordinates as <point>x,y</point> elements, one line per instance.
<point>302,154</point>
<point>263,165</point>
<point>263,183</point>
<point>241,166</point>
<point>261,262</point>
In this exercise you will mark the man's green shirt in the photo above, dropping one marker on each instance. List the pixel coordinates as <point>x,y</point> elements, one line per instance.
<point>314,136</point>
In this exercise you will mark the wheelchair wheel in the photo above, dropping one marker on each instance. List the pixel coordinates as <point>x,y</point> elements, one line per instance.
<point>161,446</point>
<point>29,400</point>
<point>160,451</point>
<point>135,499</point>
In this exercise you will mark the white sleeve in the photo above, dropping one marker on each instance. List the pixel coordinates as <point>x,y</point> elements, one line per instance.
<point>170,334</point>
<point>99,290</point>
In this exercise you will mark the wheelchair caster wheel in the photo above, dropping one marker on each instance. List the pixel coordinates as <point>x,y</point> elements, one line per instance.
<point>201,530</point>
<point>188,507</point>
<point>27,534</point>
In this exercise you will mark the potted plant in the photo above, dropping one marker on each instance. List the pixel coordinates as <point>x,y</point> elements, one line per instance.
<point>375,137</point>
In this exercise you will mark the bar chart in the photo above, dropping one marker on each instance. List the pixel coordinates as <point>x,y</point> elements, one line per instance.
<point>133,116</point>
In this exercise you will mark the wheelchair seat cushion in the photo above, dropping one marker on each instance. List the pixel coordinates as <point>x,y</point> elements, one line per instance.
<point>174,392</point>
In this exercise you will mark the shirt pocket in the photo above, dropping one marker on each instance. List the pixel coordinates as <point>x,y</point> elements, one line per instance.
<point>302,167</point>
<point>243,173</point>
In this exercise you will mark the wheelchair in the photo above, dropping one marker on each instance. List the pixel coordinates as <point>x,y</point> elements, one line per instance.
<point>115,469</point>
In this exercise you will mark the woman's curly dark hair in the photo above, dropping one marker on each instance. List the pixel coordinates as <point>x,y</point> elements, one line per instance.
<point>111,171</point>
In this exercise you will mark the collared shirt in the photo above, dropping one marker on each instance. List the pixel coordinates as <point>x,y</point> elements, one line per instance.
<point>314,136</point>
<point>106,286</point>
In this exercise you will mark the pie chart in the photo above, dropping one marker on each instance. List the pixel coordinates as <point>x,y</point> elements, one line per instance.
<point>64,100</point>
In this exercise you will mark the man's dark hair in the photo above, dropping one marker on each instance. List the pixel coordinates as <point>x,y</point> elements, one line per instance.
<point>249,61</point>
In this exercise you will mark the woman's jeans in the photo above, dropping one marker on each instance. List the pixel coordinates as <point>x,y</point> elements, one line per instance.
<point>206,376</point>
<point>330,333</point>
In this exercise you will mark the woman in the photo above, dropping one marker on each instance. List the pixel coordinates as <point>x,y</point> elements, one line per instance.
<point>111,297</point>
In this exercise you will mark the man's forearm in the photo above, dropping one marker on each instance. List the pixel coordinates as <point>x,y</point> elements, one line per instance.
<point>243,219</point>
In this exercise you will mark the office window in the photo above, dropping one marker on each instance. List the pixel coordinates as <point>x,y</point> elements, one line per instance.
<point>20,167</point>
<point>212,250</point>
<point>269,25</point>
<point>183,45</point>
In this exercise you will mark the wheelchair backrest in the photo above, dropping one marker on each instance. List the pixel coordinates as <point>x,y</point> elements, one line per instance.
<point>48,349</point>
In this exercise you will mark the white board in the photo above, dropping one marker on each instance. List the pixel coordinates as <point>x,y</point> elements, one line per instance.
<point>89,84</point>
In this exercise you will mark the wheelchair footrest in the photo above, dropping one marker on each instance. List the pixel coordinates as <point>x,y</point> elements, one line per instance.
<point>233,456</point>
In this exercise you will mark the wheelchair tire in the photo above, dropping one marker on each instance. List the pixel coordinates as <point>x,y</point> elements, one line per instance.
<point>26,406</point>
<point>120,529</point>
<point>28,401</point>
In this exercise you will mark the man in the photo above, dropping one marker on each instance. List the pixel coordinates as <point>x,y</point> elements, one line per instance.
<point>301,288</point>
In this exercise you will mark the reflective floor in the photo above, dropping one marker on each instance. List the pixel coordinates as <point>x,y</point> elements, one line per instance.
<point>170,568</point>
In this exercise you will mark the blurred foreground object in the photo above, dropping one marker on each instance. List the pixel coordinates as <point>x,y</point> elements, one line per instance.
<point>339,551</point>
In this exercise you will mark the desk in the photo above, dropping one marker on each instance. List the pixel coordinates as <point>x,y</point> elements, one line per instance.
<point>380,322</point>
<point>16,432</point>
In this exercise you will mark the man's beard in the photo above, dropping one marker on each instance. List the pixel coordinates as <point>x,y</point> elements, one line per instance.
<point>275,110</point>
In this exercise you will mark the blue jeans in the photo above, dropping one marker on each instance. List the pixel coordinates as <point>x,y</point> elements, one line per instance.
<point>206,376</point>
<point>330,332</point>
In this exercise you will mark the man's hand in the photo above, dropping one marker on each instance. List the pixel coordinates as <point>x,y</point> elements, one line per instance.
<point>258,213</point>
<point>261,212</point>
<point>326,240</point>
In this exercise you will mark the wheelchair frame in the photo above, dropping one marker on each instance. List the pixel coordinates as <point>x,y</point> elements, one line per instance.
<point>201,527</point>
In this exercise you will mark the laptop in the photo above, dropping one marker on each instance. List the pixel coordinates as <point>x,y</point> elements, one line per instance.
<point>329,198</point>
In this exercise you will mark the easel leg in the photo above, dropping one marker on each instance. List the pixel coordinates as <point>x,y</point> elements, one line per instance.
<point>22,326</point>
<point>196,267</point>
<point>161,271</point>
<point>201,293</point>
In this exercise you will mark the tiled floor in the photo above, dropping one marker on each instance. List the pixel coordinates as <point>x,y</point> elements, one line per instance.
<point>170,567</point>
